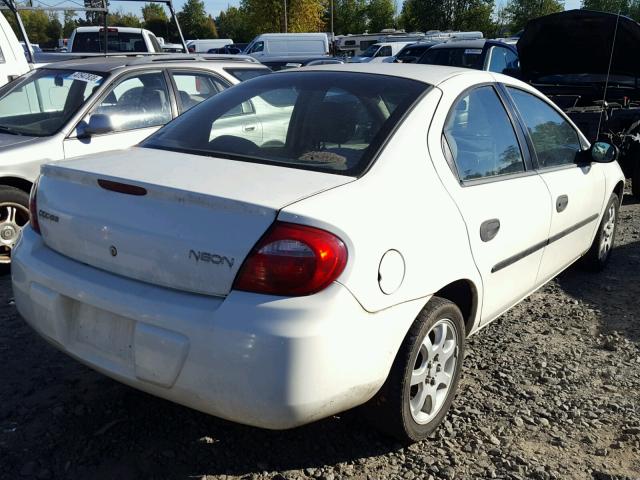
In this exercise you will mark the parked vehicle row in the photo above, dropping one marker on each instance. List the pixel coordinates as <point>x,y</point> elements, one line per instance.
<point>340,229</point>
<point>88,106</point>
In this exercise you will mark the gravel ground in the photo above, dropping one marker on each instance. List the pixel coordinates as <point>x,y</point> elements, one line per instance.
<point>549,391</point>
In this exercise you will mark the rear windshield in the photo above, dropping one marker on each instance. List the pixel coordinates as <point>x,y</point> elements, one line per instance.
<point>244,74</point>
<point>93,42</point>
<point>331,122</point>
<point>453,57</point>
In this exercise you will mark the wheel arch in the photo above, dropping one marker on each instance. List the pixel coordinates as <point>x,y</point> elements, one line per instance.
<point>464,294</point>
<point>16,182</point>
<point>619,190</point>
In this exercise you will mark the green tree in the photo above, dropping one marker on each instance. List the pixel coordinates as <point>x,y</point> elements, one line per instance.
<point>349,16</point>
<point>268,15</point>
<point>195,22</point>
<point>53,30</point>
<point>521,11</point>
<point>234,23</point>
<point>630,8</point>
<point>70,23</point>
<point>426,15</point>
<point>121,19</point>
<point>156,20</point>
<point>36,23</point>
<point>380,15</point>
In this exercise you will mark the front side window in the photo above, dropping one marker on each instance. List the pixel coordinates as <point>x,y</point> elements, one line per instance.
<point>554,140</point>
<point>371,51</point>
<point>481,138</point>
<point>326,121</point>
<point>42,102</point>
<point>257,47</point>
<point>194,87</point>
<point>138,101</point>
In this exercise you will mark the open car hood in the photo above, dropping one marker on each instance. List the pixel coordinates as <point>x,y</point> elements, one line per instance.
<point>579,42</point>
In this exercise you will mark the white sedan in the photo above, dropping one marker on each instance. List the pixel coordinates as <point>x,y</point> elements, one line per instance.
<point>341,259</point>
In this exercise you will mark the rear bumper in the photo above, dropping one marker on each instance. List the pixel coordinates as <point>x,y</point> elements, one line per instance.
<point>265,361</point>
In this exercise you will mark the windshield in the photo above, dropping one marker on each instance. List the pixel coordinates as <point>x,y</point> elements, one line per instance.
<point>326,121</point>
<point>93,42</point>
<point>42,102</point>
<point>244,74</point>
<point>453,57</point>
<point>371,51</point>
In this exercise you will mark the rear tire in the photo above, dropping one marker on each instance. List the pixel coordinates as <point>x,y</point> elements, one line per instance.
<point>430,358</point>
<point>14,214</point>
<point>599,254</point>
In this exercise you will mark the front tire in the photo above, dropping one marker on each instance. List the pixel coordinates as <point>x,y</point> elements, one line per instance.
<point>14,214</point>
<point>599,254</point>
<point>424,377</point>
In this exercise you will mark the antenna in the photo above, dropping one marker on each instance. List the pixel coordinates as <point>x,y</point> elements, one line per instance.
<point>606,82</point>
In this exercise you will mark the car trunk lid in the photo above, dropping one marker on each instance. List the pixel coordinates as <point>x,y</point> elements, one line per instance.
<point>176,220</point>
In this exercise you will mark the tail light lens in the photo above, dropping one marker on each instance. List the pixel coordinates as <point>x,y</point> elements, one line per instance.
<point>33,207</point>
<point>292,260</point>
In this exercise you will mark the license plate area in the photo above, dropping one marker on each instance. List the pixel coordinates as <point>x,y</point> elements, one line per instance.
<point>105,333</point>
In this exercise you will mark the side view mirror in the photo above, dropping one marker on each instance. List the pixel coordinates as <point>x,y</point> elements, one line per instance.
<point>99,123</point>
<point>603,152</point>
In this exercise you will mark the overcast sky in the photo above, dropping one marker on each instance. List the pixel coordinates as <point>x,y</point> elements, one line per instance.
<point>215,6</point>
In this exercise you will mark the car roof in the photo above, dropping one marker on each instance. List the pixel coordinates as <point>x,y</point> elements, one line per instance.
<point>109,63</point>
<point>479,43</point>
<point>431,74</point>
<point>120,29</point>
<point>462,44</point>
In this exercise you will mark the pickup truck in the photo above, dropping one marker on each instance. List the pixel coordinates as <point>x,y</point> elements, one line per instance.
<point>120,39</point>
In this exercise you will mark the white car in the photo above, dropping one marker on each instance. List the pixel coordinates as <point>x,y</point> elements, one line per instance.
<point>92,105</point>
<point>342,259</point>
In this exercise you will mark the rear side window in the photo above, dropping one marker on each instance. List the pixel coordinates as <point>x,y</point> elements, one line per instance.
<point>554,139</point>
<point>333,122</point>
<point>194,88</point>
<point>481,138</point>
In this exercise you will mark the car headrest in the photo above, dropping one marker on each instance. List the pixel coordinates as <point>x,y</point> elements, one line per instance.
<point>336,122</point>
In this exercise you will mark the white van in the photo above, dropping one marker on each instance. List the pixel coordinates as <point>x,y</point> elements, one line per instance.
<point>13,62</point>
<point>380,52</point>
<point>203,46</point>
<point>288,45</point>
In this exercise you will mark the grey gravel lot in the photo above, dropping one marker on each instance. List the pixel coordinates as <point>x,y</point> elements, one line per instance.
<point>549,391</point>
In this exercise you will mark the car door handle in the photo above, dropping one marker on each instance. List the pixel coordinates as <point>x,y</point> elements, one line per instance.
<point>249,128</point>
<point>561,203</point>
<point>489,229</point>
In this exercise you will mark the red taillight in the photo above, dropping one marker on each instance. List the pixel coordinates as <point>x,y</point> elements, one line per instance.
<point>33,207</point>
<point>292,260</point>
